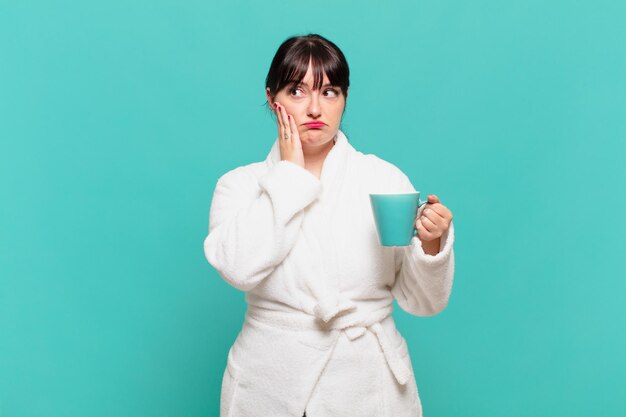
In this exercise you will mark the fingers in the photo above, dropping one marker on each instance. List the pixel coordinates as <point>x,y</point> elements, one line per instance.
<point>422,231</point>
<point>275,109</point>
<point>435,218</point>
<point>430,224</point>
<point>432,198</point>
<point>288,128</point>
<point>279,120</point>
<point>294,129</point>
<point>284,123</point>
<point>428,229</point>
<point>438,209</point>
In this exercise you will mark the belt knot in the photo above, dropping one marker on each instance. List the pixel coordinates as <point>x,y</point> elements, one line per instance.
<point>328,307</point>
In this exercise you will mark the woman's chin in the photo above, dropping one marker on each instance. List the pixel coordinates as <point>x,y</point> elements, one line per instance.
<point>314,137</point>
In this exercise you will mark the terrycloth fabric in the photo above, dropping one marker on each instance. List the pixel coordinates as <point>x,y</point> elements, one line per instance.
<point>318,333</point>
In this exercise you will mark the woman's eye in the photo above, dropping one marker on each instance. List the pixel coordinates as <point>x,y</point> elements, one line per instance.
<point>294,90</point>
<point>333,92</point>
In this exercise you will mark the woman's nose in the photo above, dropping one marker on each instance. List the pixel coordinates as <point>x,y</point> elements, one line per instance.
<point>313,109</point>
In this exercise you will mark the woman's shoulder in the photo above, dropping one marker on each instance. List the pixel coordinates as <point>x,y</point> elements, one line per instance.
<point>244,174</point>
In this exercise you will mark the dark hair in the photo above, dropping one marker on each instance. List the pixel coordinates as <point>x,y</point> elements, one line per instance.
<point>291,63</point>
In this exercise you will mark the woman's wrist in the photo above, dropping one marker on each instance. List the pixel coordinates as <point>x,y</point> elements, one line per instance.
<point>431,247</point>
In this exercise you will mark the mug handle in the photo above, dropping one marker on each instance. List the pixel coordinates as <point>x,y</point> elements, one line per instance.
<point>420,203</point>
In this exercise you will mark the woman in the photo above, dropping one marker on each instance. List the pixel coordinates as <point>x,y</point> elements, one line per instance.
<point>296,233</point>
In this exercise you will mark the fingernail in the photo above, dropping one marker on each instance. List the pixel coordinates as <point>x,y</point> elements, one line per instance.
<point>289,117</point>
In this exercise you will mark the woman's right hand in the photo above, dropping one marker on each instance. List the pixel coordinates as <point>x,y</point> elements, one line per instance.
<point>288,137</point>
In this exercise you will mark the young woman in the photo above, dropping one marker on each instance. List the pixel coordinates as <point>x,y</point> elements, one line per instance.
<point>296,233</point>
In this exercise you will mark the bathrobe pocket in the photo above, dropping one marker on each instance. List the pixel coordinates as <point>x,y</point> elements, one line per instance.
<point>403,400</point>
<point>397,340</point>
<point>406,400</point>
<point>411,390</point>
<point>230,384</point>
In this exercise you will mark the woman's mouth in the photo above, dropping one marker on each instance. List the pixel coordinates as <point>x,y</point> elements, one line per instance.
<point>314,125</point>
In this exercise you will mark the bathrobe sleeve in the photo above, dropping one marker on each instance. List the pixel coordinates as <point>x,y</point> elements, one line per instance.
<point>254,222</point>
<point>424,282</point>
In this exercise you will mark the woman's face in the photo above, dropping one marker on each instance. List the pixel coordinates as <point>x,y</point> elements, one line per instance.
<point>306,105</point>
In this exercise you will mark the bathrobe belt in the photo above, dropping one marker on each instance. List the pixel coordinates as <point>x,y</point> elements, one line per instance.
<point>354,322</point>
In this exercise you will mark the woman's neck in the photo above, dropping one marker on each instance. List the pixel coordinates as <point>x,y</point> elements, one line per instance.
<point>315,156</point>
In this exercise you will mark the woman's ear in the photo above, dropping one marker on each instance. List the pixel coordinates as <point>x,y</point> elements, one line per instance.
<point>270,98</point>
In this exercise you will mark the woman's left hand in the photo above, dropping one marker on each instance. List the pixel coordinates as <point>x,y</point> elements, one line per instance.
<point>434,220</point>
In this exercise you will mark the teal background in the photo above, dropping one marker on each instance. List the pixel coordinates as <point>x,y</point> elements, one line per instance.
<point>117,118</point>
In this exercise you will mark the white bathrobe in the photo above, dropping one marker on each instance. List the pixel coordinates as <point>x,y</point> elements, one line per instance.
<point>318,332</point>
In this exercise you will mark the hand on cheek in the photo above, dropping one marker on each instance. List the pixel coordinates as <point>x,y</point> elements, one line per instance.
<point>289,137</point>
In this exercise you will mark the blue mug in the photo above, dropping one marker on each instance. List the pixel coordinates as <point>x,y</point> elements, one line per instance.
<point>395,216</point>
